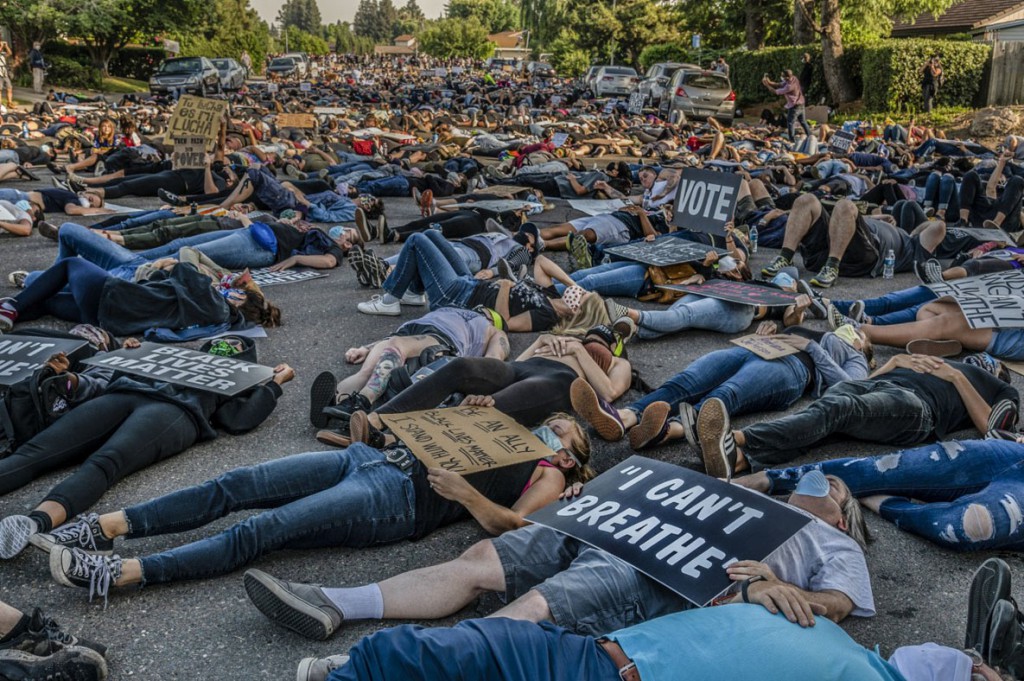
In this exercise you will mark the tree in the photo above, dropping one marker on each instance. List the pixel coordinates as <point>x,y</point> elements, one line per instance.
<point>829,19</point>
<point>28,21</point>
<point>447,38</point>
<point>108,25</point>
<point>495,15</point>
<point>410,19</point>
<point>304,14</point>
<point>301,41</point>
<point>369,22</point>
<point>226,29</point>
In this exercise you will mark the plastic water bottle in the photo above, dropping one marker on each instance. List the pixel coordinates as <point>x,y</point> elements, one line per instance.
<point>753,239</point>
<point>889,265</point>
<point>435,225</point>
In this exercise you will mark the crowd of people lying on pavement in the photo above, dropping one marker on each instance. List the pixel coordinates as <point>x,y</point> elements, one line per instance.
<point>485,156</point>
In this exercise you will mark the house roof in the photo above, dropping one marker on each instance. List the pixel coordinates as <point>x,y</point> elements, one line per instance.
<point>507,39</point>
<point>964,16</point>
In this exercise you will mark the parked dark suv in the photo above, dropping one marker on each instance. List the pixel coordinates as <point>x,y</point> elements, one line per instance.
<point>192,75</point>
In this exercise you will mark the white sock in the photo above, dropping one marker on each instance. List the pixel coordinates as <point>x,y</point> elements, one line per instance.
<point>390,299</point>
<point>358,603</point>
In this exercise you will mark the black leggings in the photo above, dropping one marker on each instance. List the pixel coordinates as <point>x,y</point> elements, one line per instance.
<point>454,224</point>
<point>978,266</point>
<point>46,296</point>
<point>112,436</point>
<point>528,391</point>
<point>884,193</point>
<point>146,185</point>
<point>972,197</point>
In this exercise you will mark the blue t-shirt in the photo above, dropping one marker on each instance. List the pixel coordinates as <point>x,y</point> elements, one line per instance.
<point>740,641</point>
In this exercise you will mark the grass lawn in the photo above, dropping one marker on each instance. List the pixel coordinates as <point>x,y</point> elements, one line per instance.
<point>124,85</point>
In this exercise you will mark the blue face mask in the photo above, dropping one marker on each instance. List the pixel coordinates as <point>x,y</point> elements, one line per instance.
<point>549,438</point>
<point>783,280</point>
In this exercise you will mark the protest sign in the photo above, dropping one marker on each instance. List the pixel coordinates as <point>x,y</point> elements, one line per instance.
<point>330,110</point>
<point>596,206</point>
<point>6,215</point>
<point>636,103</point>
<point>991,301</point>
<point>196,117</point>
<point>986,234</point>
<point>189,152</point>
<point>189,368</point>
<point>300,120</point>
<point>22,355</point>
<point>663,251</point>
<point>705,200</point>
<point>678,527</point>
<point>264,277</point>
<point>466,439</point>
<point>610,105</point>
<point>765,347</point>
<point>559,138</point>
<point>841,141</point>
<point>305,87</point>
<point>737,292</point>
<point>272,87</point>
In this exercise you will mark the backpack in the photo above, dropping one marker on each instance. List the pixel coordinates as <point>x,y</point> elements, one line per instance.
<point>416,368</point>
<point>31,405</point>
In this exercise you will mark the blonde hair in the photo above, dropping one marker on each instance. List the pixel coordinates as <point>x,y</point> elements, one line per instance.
<point>592,313</point>
<point>580,448</point>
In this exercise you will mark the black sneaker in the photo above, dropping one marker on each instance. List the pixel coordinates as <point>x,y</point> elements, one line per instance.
<point>579,251</point>
<point>505,271</point>
<point>1003,416</point>
<point>857,312</point>
<point>991,584</point>
<point>688,419</point>
<point>653,427</point>
<point>836,318</point>
<point>15,531</point>
<point>929,271</point>
<point>363,226</point>
<point>300,607</point>
<point>321,395</point>
<point>717,446</point>
<point>67,664</point>
<point>44,636</point>
<point>348,405</point>
<point>595,411</point>
<point>826,278</point>
<point>84,533</point>
<point>171,198</point>
<point>1008,435</point>
<point>370,269</point>
<point>1003,638</point>
<point>75,567</point>
<point>384,231</point>
<point>818,308</point>
<point>777,264</point>
<point>48,230</point>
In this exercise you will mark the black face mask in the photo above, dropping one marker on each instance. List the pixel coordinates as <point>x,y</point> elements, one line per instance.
<point>521,238</point>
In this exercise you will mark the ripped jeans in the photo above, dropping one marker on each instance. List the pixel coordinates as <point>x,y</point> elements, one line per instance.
<point>973,490</point>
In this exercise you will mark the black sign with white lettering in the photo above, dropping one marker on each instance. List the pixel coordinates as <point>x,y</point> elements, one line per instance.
<point>181,366</point>
<point>738,292</point>
<point>636,103</point>
<point>265,277</point>
<point>705,200</point>
<point>21,355</point>
<point>678,527</point>
<point>664,251</point>
<point>991,301</point>
<point>841,141</point>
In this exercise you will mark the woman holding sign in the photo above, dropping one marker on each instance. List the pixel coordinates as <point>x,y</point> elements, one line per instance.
<point>354,498</point>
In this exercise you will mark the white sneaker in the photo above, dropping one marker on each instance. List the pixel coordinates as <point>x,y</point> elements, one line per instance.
<point>376,305</point>
<point>411,298</point>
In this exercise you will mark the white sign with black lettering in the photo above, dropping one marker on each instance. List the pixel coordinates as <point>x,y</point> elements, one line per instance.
<point>265,277</point>
<point>677,526</point>
<point>841,141</point>
<point>636,103</point>
<point>189,368</point>
<point>991,301</point>
<point>706,200</point>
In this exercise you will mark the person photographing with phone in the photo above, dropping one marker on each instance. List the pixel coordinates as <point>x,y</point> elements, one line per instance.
<point>789,87</point>
<point>931,79</point>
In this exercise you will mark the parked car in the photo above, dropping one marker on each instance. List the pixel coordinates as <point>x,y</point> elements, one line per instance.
<point>655,81</point>
<point>302,60</point>
<point>614,80</point>
<point>588,78</point>
<point>699,94</point>
<point>539,69</point>
<point>193,75</point>
<point>284,68</point>
<point>495,64</point>
<point>232,74</point>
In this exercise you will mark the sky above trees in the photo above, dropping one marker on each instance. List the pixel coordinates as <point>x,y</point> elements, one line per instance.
<point>342,10</point>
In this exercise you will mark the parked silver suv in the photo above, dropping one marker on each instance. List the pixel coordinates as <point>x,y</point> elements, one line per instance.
<point>614,80</point>
<point>694,93</point>
<point>652,87</point>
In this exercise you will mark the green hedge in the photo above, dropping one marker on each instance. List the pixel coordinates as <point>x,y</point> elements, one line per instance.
<point>128,62</point>
<point>895,73</point>
<point>747,68</point>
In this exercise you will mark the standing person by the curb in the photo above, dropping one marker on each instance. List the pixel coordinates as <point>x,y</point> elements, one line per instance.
<point>931,78</point>
<point>5,73</point>
<point>38,65</point>
<point>795,105</point>
<point>806,73</point>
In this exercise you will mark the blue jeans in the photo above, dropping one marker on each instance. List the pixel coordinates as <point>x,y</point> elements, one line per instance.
<point>941,192</point>
<point>139,220</point>
<point>613,279</point>
<point>949,477</point>
<point>1007,344</point>
<point>428,264</point>
<point>897,307</point>
<point>385,186</point>
<point>235,249</point>
<point>794,115</point>
<point>75,240</point>
<point>872,410</point>
<point>459,164</point>
<point>696,312</point>
<point>742,380</point>
<point>350,497</point>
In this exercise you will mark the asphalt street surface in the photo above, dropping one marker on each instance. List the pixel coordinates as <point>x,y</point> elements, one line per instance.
<point>207,629</point>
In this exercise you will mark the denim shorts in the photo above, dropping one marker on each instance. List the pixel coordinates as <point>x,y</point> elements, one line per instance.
<point>1007,344</point>
<point>587,590</point>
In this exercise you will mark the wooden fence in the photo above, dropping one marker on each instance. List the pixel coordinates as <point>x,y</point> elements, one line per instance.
<point>1006,78</point>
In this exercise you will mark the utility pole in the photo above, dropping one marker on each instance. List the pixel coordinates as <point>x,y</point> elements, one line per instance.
<point>612,45</point>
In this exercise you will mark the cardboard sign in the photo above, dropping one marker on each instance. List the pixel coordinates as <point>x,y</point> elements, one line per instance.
<point>559,138</point>
<point>466,439</point>
<point>196,117</point>
<point>330,110</point>
<point>663,251</point>
<point>678,527</point>
<point>765,347</point>
<point>305,87</point>
<point>189,152</point>
<point>299,120</point>
<point>636,103</point>
<point>610,105</point>
<point>738,292</point>
<point>596,206</point>
<point>705,200</point>
<point>6,215</point>
<point>22,355</point>
<point>189,368</point>
<point>272,87</point>
<point>991,301</point>
<point>987,234</point>
<point>841,141</point>
<point>265,277</point>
